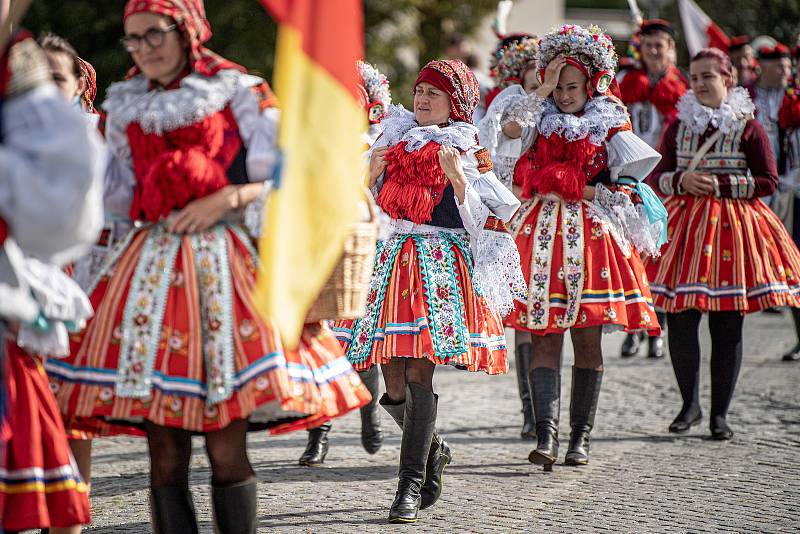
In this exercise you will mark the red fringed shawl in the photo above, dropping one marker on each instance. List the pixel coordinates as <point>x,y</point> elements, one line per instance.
<point>635,87</point>
<point>182,165</point>
<point>554,165</point>
<point>413,183</point>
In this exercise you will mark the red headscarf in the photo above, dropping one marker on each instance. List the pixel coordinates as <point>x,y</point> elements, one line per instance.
<point>90,77</point>
<point>190,15</point>
<point>457,80</point>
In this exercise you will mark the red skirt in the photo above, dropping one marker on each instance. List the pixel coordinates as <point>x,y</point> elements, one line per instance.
<point>176,340</point>
<point>725,255</point>
<point>578,276</point>
<point>40,485</point>
<point>422,304</point>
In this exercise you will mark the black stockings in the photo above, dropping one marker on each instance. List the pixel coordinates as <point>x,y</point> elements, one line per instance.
<point>171,451</point>
<point>585,341</point>
<point>726,356</point>
<point>401,371</point>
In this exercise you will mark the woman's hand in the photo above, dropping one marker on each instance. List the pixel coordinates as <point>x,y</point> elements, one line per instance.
<point>377,165</point>
<point>697,184</point>
<point>588,192</point>
<point>551,74</point>
<point>450,161</point>
<point>201,214</point>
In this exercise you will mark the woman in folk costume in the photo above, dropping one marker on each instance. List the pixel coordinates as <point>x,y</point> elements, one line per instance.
<point>586,220</point>
<point>376,99</point>
<point>514,67</point>
<point>176,346</point>
<point>442,271</point>
<point>650,90</point>
<point>728,254</point>
<point>50,211</point>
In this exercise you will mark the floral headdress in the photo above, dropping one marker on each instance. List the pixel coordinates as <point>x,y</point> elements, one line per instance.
<point>589,49</point>
<point>374,91</point>
<point>507,64</point>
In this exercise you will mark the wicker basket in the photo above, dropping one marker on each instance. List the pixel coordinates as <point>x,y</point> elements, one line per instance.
<point>344,295</point>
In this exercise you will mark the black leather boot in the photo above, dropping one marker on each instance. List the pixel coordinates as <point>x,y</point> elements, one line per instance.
<point>418,423</point>
<point>523,356</point>
<point>317,448</point>
<point>439,457</point>
<point>630,347</point>
<point>371,431</point>
<point>655,347</point>
<point>794,354</point>
<point>235,508</point>
<point>582,409</point>
<point>546,389</point>
<point>172,510</point>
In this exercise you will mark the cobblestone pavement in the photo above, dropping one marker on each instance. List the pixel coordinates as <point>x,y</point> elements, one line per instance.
<point>641,478</point>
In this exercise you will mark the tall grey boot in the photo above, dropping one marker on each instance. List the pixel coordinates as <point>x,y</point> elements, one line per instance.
<point>418,424</point>
<point>582,409</point>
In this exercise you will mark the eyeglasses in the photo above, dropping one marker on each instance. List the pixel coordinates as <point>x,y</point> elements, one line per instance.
<point>154,37</point>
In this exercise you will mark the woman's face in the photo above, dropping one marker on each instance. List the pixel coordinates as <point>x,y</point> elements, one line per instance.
<point>570,94</point>
<point>165,61</point>
<point>707,82</point>
<point>62,69</point>
<point>431,105</point>
<point>529,81</point>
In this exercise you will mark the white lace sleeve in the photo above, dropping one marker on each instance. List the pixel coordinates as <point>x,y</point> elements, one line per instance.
<point>525,112</point>
<point>51,176</point>
<point>259,130</point>
<point>492,193</point>
<point>630,157</point>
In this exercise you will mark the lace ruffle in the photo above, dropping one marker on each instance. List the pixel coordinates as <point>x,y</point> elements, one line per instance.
<point>601,114</point>
<point>163,111</point>
<point>497,275</point>
<point>400,125</point>
<point>625,221</point>
<point>736,110</point>
<point>527,112</point>
<point>490,126</point>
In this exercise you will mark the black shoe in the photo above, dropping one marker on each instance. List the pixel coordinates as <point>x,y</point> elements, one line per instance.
<point>371,431</point>
<point>582,409</point>
<point>317,448</point>
<point>686,419</point>
<point>773,311</point>
<point>546,389</point>
<point>439,455</point>
<point>172,510</point>
<point>630,347</point>
<point>720,430</point>
<point>793,355</point>
<point>235,508</point>
<point>655,347</point>
<point>418,423</point>
<point>523,356</point>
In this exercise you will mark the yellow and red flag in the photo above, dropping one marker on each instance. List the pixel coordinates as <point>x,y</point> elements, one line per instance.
<point>316,200</point>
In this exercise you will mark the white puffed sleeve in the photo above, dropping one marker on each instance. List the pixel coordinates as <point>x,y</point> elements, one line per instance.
<point>630,157</point>
<point>51,176</point>
<point>258,128</point>
<point>484,194</point>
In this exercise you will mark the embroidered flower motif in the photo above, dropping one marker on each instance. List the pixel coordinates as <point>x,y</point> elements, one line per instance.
<point>116,334</point>
<point>646,317</point>
<point>177,279</point>
<point>106,394</point>
<point>437,254</point>
<point>404,293</point>
<point>176,342</point>
<point>54,387</point>
<point>404,259</point>
<point>246,329</point>
<point>141,320</point>
<point>527,229</point>
<point>727,255</point>
<point>262,383</point>
<point>175,404</point>
<point>371,296</point>
<point>605,273</point>
<point>210,412</point>
<point>560,273</point>
<point>724,283</point>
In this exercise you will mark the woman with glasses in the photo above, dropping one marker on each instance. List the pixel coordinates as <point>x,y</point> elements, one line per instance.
<point>176,346</point>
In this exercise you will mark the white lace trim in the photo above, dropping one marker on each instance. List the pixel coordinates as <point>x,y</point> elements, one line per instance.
<point>497,275</point>
<point>526,112</point>
<point>737,109</point>
<point>626,222</point>
<point>601,114</point>
<point>490,126</point>
<point>158,111</point>
<point>401,125</point>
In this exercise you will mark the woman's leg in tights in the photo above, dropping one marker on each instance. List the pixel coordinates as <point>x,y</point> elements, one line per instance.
<point>547,351</point>
<point>170,452</point>
<point>726,360</point>
<point>588,347</point>
<point>233,483</point>
<point>684,350</point>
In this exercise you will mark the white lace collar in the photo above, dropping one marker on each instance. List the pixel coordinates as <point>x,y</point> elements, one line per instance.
<point>158,111</point>
<point>736,110</point>
<point>600,115</point>
<point>400,126</point>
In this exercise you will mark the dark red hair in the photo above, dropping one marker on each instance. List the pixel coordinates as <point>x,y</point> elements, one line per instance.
<point>723,63</point>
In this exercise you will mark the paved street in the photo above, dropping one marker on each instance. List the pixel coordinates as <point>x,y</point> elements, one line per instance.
<point>641,479</point>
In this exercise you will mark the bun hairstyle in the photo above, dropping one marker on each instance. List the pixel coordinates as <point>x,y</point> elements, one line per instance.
<point>723,64</point>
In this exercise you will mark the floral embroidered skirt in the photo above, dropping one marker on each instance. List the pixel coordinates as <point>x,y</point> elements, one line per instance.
<point>725,255</point>
<point>578,276</point>
<point>40,485</point>
<point>422,304</point>
<point>176,340</point>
